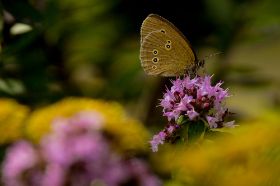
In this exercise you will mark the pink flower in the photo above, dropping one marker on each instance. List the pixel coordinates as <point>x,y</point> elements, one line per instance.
<point>21,159</point>
<point>157,140</point>
<point>212,121</point>
<point>140,172</point>
<point>185,103</point>
<point>74,153</point>
<point>189,101</point>
<point>192,114</point>
<point>195,98</point>
<point>167,134</point>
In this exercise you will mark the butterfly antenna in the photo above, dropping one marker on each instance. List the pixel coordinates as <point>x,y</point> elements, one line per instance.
<point>212,55</point>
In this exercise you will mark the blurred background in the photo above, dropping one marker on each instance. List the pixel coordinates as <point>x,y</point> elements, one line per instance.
<point>56,48</point>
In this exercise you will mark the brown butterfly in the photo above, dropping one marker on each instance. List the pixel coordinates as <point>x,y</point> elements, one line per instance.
<point>165,51</point>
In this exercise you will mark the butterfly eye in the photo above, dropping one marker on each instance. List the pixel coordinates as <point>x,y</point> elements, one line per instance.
<point>155,60</point>
<point>167,47</point>
<point>200,63</point>
<point>155,52</point>
<point>162,31</point>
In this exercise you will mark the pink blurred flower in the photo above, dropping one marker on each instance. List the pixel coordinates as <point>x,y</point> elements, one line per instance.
<point>20,166</point>
<point>140,172</point>
<point>74,153</point>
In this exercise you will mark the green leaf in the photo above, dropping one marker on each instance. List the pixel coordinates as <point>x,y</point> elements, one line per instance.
<point>184,133</point>
<point>196,131</point>
<point>11,86</point>
<point>181,120</point>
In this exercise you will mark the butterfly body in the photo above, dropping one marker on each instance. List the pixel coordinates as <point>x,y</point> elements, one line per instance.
<point>165,50</point>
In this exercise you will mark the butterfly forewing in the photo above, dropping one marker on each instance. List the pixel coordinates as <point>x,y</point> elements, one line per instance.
<point>164,50</point>
<point>152,23</point>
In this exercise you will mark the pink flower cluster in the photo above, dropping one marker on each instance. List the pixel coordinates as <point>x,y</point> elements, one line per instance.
<point>194,99</point>
<point>74,153</point>
<point>168,134</point>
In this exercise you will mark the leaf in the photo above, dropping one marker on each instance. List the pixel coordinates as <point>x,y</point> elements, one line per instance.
<point>182,120</point>
<point>11,86</point>
<point>196,131</point>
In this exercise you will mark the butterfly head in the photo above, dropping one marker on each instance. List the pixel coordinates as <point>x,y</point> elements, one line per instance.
<point>200,63</point>
<point>193,71</point>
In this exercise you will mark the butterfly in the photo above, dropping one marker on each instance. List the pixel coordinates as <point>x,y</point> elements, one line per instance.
<point>165,51</point>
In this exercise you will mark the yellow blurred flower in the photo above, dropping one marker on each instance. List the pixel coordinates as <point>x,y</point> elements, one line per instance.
<point>12,116</point>
<point>126,133</point>
<point>250,156</point>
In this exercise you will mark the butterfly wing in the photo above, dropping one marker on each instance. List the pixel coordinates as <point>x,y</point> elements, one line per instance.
<point>164,49</point>
<point>159,59</point>
<point>155,22</point>
<point>150,24</point>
